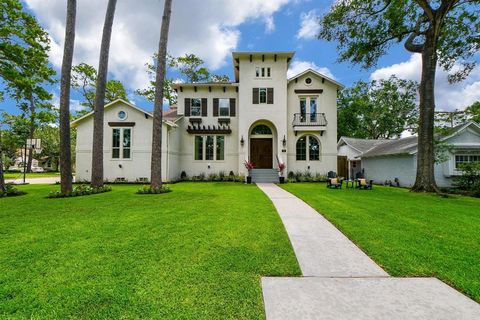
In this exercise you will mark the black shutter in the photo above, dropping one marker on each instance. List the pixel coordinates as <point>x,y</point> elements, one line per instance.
<point>187,107</point>
<point>204,107</point>
<point>255,96</point>
<point>215,107</point>
<point>232,107</point>
<point>269,95</point>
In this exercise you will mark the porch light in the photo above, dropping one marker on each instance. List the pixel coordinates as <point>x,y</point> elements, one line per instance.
<point>242,141</point>
<point>284,141</point>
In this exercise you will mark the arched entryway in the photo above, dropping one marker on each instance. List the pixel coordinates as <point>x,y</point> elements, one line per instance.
<point>262,145</point>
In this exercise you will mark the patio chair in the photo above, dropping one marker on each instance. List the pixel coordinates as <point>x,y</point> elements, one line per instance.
<point>334,183</point>
<point>364,184</point>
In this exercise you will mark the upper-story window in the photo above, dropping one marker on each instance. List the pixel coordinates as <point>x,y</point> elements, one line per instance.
<point>224,107</point>
<point>308,105</point>
<point>263,72</point>
<point>121,143</point>
<point>196,107</point>
<point>262,95</point>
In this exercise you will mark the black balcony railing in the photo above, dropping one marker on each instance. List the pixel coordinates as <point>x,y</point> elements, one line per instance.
<point>309,119</point>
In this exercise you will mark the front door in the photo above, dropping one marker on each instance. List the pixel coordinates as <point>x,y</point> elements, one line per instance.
<point>261,153</point>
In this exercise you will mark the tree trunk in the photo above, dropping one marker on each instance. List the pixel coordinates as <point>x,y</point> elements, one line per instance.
<point>97,149</point>
<point>156,166</point>
<point>65,145</point>
<point>425,179</point>
<point>2,177</point>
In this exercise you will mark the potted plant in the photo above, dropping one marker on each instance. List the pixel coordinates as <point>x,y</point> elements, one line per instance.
<point>249,165</point>
<point>281,169</point>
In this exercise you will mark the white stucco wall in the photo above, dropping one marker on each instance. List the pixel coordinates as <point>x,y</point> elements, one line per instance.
<point>138,166</point>
<point>326,103</point>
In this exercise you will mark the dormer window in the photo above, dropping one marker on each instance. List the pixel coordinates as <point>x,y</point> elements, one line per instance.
<point>263,72</point>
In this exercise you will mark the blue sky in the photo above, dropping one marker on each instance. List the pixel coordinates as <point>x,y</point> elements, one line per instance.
<point>212,29</point>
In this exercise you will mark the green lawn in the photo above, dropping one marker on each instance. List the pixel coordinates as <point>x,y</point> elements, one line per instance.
<point>19,175</point>
<point>195,253</point>
<point>408,234</point>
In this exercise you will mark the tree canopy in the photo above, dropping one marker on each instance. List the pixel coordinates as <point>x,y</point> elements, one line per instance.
<point>84,80</point>
<point>377,109</point>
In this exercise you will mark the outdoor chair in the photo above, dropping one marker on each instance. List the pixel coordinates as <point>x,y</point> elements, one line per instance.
<point>364,184</point>
<point>334,183</point>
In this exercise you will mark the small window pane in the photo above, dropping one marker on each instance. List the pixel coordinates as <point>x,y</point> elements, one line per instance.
<point>209,148</point>
<point>313,109</point>
<point>196,107</point>
<point>268,72</point>
<point>263,72</point>
<point>224,107</point>
<point>257,72</point>
<point>303,109</point>
<point>313,148</point>
<point>116,143</point>
<point>220,147</point>
<point>127,141</point>
<point>115,153</point>
<point>263,95</point>
<point>302,149</point>
<point>126,153</point>
<point>198,148</point>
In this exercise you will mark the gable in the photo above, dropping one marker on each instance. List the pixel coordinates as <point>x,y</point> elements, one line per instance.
<point>316,75</point>
<point>468,135</point>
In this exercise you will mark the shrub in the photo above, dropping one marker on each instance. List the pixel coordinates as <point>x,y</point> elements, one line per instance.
<point>80,190</point>
<point>11,191</point>
<point>470,178</point>
<point>149,190</point>
<point>183,176</point>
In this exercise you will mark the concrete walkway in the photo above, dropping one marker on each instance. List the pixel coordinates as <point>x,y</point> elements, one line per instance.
<point>342,282</point>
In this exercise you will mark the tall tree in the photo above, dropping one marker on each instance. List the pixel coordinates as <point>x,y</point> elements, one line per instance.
<point>378,109</point>
<point>84,80</point>
<point>2,176</point>
<point>473,112</point>
<point>192,69</point>
<point>97,149</point>
<point>24,49</point>
<point>442,31</point>
<point>156,166</point>
<point>65,144</point>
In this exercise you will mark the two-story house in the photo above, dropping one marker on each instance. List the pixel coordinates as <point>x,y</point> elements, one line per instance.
<point>262,116</point>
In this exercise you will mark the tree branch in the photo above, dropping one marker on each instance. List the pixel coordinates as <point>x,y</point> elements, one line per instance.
<point>426,8</point>
<point>409,43</point>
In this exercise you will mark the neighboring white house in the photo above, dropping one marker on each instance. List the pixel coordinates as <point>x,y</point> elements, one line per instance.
<point>395,160</point>
<point>262,116</point>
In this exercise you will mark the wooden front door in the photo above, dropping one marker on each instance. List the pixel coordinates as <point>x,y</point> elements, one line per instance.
<point>261,153</point>
<point>342,167</point>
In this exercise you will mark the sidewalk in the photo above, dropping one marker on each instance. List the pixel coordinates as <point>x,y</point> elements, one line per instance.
<point>342,282</point>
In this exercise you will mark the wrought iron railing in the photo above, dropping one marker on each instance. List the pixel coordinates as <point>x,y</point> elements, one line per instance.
<point>309,119</point>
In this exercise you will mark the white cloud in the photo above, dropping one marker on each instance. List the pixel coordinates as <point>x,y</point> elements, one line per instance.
<point>309,26</point>
<point>448,97</point>
<point>299,66</point>
<point>208,28</point>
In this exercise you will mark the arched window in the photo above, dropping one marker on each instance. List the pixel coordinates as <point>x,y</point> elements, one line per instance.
<point>261,129</point>
<point>308,147</point>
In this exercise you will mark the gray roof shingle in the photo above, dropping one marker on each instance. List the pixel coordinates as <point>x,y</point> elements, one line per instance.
<point>390,147</point>
<point>363,145</point>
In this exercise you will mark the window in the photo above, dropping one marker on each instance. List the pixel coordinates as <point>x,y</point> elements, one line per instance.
<point>301,148</point>
<point>311,102</point>
<point>213,147</point>
<point>308,81</point>
<point>209,148</point>
<point>303,109</point>
<point>261,129</point>
<point>461,159</point>
<point>313,109</point>
<point>262,95</point>
<point>121,143</point>
<point>263,72</point>
<point>313,150</point>
<point>198,148</point>
<point>220,148</point>
<point>122,115</point>
<point>224,107</point>
<point>196,107</point>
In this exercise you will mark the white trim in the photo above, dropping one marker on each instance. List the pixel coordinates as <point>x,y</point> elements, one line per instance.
<point>310,70</point>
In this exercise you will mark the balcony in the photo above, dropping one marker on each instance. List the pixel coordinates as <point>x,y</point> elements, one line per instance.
<point>309,122</point>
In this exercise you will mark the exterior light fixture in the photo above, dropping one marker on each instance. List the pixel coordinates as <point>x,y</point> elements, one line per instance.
<point>242,141</point>
<point>284,141</point>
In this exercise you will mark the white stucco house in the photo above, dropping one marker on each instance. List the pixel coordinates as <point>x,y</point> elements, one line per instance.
<point>262,116</point>
<point>395,160</point>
